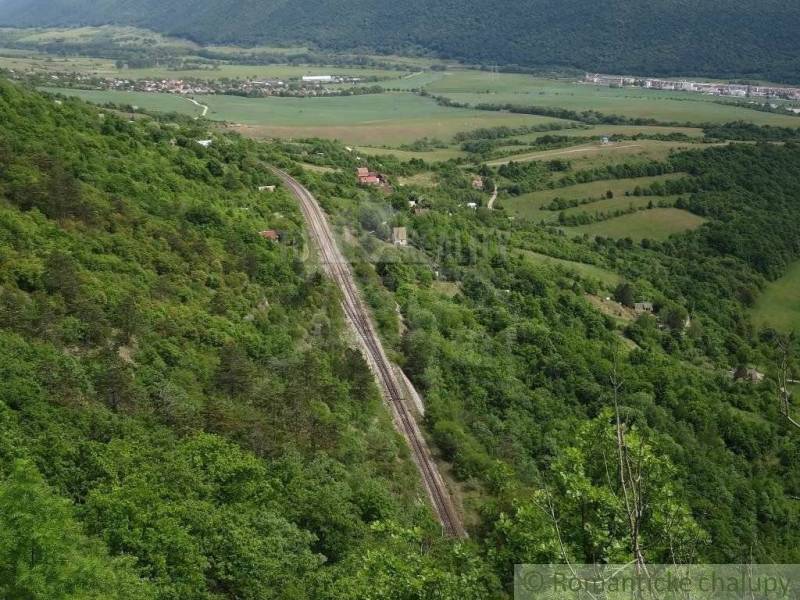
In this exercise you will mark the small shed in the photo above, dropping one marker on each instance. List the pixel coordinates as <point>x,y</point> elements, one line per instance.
<point>399,236</point>
<point>643,307</point>
<point>266,188</point>
<point>270,234</point>
<point>477,183</point>
<point>748,374</point>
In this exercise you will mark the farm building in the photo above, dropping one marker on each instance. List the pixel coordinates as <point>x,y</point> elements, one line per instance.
<point>399,236</point>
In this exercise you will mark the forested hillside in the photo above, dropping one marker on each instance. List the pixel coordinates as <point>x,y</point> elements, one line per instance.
<point>179,415</point>
<point>182,416</point>
<point>713,37</point>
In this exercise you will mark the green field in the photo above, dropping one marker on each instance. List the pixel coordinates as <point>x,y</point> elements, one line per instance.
<point>655,224</point>
<point>779,305</point>
<point>476,87</point>
<point>604,276</point>
<point>597,154</point>
<point>372,120</point>
<point>435,155</point>
<point>599,131</point>
<point>530,205</point>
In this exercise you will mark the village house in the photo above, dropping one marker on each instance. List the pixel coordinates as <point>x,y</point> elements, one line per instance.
<point>266,188</point>
<point>477,183</point>
<point>399,236</point>
<point>205,143</point>
<point>643,307</point>
<point>367,177</point>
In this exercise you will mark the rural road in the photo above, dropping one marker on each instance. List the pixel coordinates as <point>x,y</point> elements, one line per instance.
<point>337,267</point>
<point>203,106</point>
<point>493,198</point>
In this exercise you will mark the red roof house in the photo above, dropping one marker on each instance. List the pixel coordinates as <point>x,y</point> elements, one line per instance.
<point>367,177</point>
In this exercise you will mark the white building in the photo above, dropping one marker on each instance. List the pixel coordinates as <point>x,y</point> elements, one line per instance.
<point>317,78</point>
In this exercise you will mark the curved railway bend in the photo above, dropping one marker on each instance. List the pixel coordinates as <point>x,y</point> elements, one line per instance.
<point>357,316</point>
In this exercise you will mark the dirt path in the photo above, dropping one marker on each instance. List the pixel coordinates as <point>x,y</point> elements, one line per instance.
<point>196,103</point>
<point>493,198</point>
<point>358,317</point>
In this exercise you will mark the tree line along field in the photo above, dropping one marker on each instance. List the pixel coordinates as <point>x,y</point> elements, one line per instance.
<point>532,204</point>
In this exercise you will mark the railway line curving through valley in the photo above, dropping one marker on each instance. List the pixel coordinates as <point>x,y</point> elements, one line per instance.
<point>338,269</point>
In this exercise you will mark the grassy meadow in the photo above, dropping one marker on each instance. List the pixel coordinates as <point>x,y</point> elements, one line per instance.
<point>779,304</point>
<point>654,224</point>
<point>604,276</point>
<point>596,154</point>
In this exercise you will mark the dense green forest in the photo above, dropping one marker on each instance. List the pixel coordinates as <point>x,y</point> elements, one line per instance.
<point>725,38</point>
<point>181,415</point>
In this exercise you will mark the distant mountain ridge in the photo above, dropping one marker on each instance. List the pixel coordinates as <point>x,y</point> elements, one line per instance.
<point>726,38</point>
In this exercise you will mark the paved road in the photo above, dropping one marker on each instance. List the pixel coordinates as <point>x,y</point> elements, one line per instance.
<point>358,317</point>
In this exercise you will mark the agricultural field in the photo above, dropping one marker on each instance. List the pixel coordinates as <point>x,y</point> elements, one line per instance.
<point>597,154</point>
<point>370,120</point>
<point>39,62</point>
<point>475,87</point>
<point>108,34</point>
<point>530,205</point>
<point>23,61</point>
<point>654,224</point>
<point>778,306</point>
<point>604,276</point>
<point>375,119</point>
<point>435,155</point>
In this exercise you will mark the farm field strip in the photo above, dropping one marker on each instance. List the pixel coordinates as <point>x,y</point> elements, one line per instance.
<point>654,224</point>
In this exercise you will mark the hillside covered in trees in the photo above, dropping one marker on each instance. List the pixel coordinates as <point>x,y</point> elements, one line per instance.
<point>725,38</point>
<point>179,414</point>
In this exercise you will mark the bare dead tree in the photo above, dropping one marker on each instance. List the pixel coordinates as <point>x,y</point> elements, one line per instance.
<point>785,345</point>
<point>631,475</point>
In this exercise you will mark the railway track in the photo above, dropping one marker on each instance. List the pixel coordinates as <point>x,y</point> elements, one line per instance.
<point>338,269</point>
